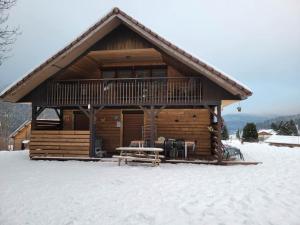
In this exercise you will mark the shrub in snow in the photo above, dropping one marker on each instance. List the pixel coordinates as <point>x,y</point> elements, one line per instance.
<point>250,133</point>
<point>224,133</point>
<point>287,128</point>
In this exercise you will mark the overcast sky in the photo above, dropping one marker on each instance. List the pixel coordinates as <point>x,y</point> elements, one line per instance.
<point>257,41</point>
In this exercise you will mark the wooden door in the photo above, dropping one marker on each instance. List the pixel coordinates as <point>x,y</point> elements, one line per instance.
<point>133,122</point>
<point>81,121</point>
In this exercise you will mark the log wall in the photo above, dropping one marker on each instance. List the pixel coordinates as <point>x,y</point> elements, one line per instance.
<point>187,124</point>
<point>107,128</point>
<point>60,143</point>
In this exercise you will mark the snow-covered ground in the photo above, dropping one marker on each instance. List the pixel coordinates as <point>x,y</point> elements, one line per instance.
<point>69,193</point>
<point>283,139</point>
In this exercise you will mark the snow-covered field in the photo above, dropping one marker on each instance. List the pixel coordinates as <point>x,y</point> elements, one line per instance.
<point>69,193</point>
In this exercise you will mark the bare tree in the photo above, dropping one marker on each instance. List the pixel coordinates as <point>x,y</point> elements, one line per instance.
<point>7,34</point>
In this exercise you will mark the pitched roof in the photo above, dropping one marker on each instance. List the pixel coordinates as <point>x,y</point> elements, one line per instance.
<point>20,128</point>
<point>115,17</point>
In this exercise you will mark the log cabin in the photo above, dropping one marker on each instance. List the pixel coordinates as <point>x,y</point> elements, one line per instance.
<point>120,81</point>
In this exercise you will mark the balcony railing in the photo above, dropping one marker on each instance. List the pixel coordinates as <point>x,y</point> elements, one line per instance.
<point>121,92</point>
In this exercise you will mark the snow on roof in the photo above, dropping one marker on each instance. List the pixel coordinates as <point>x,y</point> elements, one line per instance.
<point>270,131</point>
<point>281,139</point>
<point>26,123</point>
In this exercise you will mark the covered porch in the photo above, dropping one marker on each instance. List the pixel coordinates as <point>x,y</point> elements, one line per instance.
<point>197,141</point>
<point>111,113</point>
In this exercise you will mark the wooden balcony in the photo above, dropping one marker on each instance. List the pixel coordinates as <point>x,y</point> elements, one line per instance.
<point>123,92</point>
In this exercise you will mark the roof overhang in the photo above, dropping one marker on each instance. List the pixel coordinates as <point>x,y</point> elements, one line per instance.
<point>80,45</point>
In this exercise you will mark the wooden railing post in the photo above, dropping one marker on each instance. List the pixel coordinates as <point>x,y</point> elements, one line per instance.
<point>152,126</point>
<point>219,141</point>
<point>92,127</point>
<point>33,117</point>
<point>128,91</point>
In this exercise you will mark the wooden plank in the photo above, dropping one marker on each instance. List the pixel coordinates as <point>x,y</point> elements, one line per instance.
<point>62,136</point>
<point>60,143</point>
<point>60,132</point>
<point>57,147</point>
<point>55,151</point>
<point>60,140</point>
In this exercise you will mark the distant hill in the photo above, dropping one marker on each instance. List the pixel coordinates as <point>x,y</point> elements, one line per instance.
<point>267,123</point>
<point>238,121</point>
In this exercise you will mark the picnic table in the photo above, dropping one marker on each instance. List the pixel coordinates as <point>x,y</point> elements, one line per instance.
<point>142,154</point>
<point>187,144</point>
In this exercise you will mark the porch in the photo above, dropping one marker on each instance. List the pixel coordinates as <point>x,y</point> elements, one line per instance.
<point>122,127</point>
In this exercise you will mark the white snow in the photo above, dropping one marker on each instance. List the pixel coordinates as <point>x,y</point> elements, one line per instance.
<point>72,192</point>
<point>269,131</point>
<point>282,139</point>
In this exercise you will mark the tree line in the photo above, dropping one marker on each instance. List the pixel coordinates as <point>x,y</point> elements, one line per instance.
<point>249,132</point>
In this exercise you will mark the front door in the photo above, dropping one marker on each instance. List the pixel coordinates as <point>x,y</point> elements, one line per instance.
<point>133,122</point>
<point>81,121</point>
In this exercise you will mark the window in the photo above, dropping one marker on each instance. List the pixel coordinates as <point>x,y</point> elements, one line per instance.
<point>124,73</point>
<point>141,73</point>
<point>159,72</point>
<point>108,74</point>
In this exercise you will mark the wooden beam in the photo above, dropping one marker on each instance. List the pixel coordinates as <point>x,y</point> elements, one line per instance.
<point>33,117</point>
<point>61,118</point>
<point>85,111</point>
<point>57,113</point>
<point>152,124</point>
<point>99,108</point>
<point>92,127</point>
<point>219,141</point>
<point>92,60</point>
<point>39,111</point>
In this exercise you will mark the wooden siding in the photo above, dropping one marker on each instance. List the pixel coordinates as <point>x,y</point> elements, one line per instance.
<point>21,135</point>
<point>107,129</point>
<point>133,122</point>
<point>187,124</point>
<point>59,143</point>
<point>68,120</point>
<point>121,38</point>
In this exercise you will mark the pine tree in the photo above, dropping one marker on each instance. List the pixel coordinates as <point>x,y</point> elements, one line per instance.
<point>274,126</point>
<point>224,133</point>
<point>250,133</point>
<point>287,128</point>
<point>238,136</point>
<point>293,128</point>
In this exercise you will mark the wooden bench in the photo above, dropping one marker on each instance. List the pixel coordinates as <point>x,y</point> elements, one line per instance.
<point>141,154</point>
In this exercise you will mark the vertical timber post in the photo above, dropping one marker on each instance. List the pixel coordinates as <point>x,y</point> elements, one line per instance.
<point>219,127</point>
<point>92,130</point>
<point>152,121</point>
<point>61,118</point>
<point>33,117</point>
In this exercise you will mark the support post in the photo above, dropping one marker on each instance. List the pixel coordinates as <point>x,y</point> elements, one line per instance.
<point>152,121</point>
<point>219,141</point>
<point>61,118</point>
<point>33,117</point>
<point>92,130</point>
<point>60,115</point>
<point>152,113</point>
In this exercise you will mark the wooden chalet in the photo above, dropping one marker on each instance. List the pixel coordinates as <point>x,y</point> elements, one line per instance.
<point>120,81</point>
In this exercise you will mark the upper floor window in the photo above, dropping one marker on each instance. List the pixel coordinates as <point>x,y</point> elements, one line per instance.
<point>108,74</point>
<point>139,72</point>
